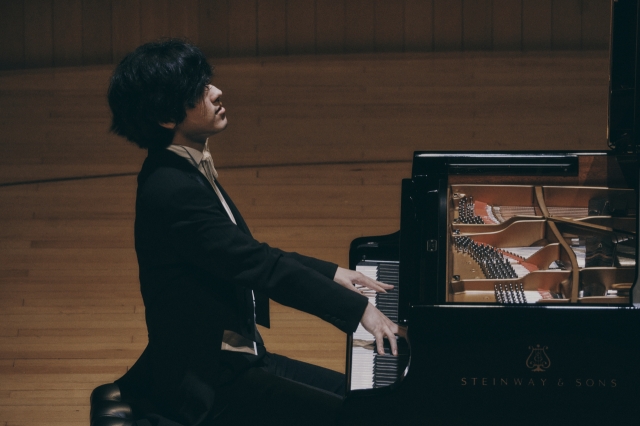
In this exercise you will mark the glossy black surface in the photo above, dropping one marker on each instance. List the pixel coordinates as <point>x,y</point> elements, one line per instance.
<point>624,111</point>
<point>473,366</point>
<point>491,364</point>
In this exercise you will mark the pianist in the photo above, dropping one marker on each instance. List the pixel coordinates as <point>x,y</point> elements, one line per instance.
<point>204,280</point>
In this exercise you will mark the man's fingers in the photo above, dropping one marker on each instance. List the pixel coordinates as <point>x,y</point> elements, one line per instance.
<point>380,345</point>
<point>351,287</point>
<point>378,286</point>
<point>394,344</point>
<point>381,328</point>
<point>381,287</point>
<point>348,277</point>
<point>388,332</point>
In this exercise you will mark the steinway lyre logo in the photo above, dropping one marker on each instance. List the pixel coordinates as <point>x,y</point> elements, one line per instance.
<point>538,360</point>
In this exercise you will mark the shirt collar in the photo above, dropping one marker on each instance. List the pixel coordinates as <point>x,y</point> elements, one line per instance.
<point>190,154</point>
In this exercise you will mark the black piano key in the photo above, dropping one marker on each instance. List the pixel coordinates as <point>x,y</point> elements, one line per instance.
<point>387,367</point>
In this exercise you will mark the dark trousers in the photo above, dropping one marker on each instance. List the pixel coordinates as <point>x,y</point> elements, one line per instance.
<point>282,391</point>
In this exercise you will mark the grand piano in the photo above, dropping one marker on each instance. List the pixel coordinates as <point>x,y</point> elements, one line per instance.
<point>516,277</point>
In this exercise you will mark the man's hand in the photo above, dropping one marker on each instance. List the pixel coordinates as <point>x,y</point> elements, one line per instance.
<point>380,326</point>
<point>374,321</point>
<point>347,278</point>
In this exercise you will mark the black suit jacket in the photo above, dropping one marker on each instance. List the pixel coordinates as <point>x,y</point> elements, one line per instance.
<point>196,269</point>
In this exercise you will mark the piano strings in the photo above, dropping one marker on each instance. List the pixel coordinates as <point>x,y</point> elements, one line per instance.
<point>480,213</point>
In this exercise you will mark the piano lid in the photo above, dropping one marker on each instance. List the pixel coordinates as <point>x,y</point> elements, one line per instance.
<point>624,109</point>
<point>530,163</point>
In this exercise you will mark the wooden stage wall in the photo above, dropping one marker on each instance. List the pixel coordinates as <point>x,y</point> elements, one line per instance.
<point>45,33</point>
<point>313,156</point>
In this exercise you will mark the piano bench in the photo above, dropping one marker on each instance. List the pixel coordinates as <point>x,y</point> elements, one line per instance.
<point>108,408</point>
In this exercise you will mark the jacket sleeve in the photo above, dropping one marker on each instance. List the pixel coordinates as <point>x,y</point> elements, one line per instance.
<point>327,269</point>
<point>203,235</point>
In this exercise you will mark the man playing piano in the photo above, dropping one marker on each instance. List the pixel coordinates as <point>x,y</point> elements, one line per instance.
<point>204,280</point>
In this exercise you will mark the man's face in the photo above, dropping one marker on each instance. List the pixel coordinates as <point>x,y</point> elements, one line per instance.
<point>205,119</point>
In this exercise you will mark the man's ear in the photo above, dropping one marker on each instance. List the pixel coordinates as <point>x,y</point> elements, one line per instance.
<point>170,125</point>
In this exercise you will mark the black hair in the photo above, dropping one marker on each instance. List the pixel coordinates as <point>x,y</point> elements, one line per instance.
<point>156,83</point>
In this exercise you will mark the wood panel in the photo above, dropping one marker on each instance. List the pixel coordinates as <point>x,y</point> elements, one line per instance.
<point>389,26</point>
<point>345,106</point>
<point>477,23</point>
<point>536,24</point>
<point>12,32</point>
<point>154,19</point>
<point>67,32</point>
<point>40,33</point>
<point>447,27</point>
<point>272,27</point>
<point>595,29</point>
<point>183,19</point>
<point>243,28</point>
<point>213,27</point>
<point>418,25</point>
<point>330,26</point>
<point>96,32</point>
<point>301,26</point>
<point>507,25</point>
<point>125,18</point>
<point>360,33</point>
<point>566,24</point>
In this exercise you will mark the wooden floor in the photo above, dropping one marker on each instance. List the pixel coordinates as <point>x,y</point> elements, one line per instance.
<point>313,157</point>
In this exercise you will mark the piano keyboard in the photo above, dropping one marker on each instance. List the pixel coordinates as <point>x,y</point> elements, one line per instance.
<point>368,369</point>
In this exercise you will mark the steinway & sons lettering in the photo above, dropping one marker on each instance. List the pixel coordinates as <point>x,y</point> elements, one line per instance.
<point>537,382</point>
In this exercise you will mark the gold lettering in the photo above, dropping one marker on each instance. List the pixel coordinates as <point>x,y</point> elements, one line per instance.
<point>495,381</point>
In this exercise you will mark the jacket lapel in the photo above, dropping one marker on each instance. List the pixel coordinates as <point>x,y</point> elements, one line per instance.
<point>234,210</point>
